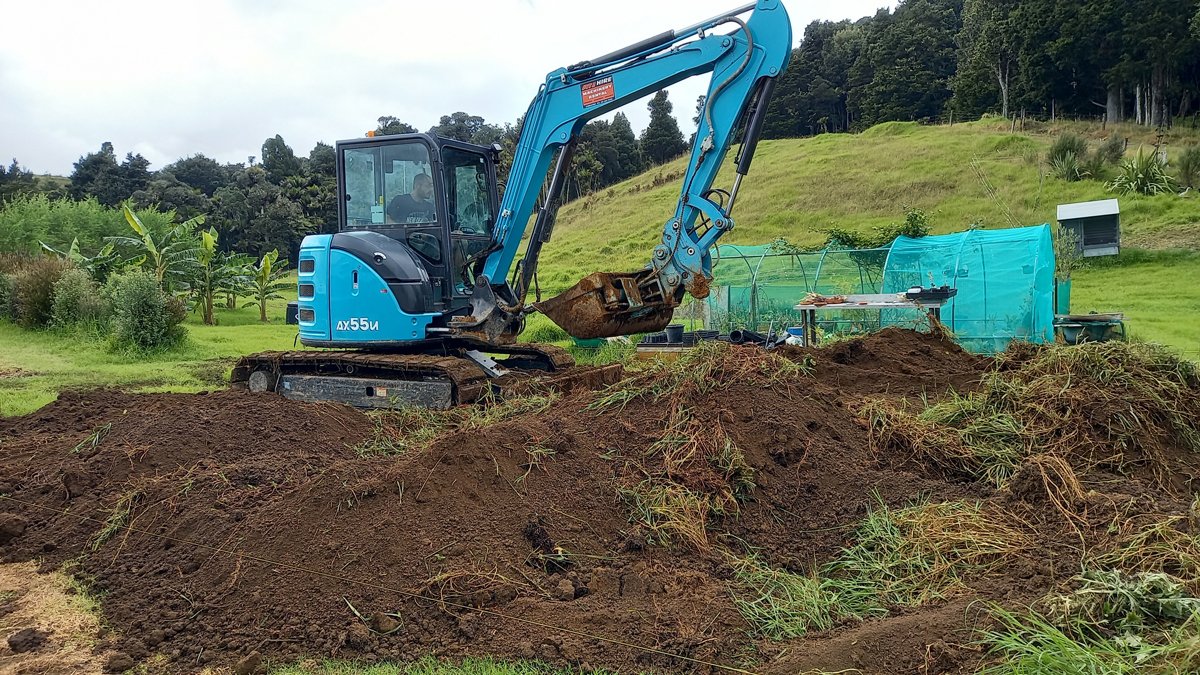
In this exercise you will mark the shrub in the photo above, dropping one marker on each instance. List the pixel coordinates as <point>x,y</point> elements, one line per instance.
<point>1144,174</point>
<point>77,301</point>
<point>6,283</point>
<point>1189,167</point>
<point>144,318</point>
<point>28,221</point>
<point>1111,151</point>
<point>1067,144</point>
<point>32,291</point>
<point>1068,167</point>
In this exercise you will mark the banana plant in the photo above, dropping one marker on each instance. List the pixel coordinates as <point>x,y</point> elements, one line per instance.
<point>169,255</point>
<point>99,266</point>
<point>217,274</point>
<point>244,286</point>
<point>268,282</point>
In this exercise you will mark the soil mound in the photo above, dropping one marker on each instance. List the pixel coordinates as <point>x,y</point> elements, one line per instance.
<point>895,361</point>
<point>592,529</point>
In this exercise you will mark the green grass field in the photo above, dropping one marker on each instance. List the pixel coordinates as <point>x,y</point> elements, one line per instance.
<point>1156,290</point>
<point>51,362</point>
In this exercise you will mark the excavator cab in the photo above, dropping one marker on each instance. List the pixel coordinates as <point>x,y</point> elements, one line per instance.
<point>436,196</point>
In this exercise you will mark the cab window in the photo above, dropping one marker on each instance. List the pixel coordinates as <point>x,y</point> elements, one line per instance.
<point>389,184</point>
<point>470,206</point>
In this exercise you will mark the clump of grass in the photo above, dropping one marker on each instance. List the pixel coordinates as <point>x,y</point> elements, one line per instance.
<point>1145,174</point>
<point>694,472</point>
<point>962,436</point>
<point>1111,623</point>
<point>1031,644</point>
<point>1067,145</point>
<point>1121,406</point>
<point>1188,166</point>
<point>710,365</point>
<point>118,518</point>
<point>914,555</point>
<point>408,428</point>
<point>612,351</point>
<point>1070,167</point>
<point>904,557</point>
<point>1170,545</point>
<point>781,604</point>
<point>93,439</point>
<point>668,513</point>
<point>536,455</point>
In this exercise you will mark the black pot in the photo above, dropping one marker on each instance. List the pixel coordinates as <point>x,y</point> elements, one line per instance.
<point>675,333</point>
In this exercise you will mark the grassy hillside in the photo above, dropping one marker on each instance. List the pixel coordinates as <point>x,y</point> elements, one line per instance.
<point>976,173</point>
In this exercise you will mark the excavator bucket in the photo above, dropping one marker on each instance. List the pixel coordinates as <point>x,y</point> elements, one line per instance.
<point>607,304</point>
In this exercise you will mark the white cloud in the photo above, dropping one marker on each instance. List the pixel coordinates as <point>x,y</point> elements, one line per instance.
<point>169,79</point>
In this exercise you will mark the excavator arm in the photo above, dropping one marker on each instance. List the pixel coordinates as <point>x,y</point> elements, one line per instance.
<point>744,64</point>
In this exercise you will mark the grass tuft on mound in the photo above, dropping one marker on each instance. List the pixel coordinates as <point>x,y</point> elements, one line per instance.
<point>710,365</point>
<point>402,430</point>
<point>1118,406</point>
<point>906,557</point>
<point>1110,623</point>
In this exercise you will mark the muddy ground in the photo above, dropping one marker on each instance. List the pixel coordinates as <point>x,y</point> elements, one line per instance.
<point>224,528</point>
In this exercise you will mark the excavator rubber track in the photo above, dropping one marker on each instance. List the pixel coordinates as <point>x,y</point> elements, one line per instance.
<point>383,380</point>
<point>364,379</point>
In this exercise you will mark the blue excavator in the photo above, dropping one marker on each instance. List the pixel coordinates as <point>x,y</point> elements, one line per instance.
<point>420,296</point>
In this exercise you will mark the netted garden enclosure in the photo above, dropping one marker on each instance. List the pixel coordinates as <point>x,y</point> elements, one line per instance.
<point>1005,282</point>
<point>758,287</point>
<point>1004,278</point>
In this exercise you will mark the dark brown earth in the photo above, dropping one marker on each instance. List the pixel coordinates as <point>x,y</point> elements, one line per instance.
<point>254,530</point>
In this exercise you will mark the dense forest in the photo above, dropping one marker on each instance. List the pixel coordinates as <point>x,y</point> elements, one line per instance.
<point>926,60</point>
<point>1123,60</point>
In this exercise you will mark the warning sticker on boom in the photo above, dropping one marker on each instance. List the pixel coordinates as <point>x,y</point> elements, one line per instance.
<point>598,91</point>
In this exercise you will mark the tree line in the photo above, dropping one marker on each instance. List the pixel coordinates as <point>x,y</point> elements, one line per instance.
<point>1124,60</point>
<point>272,201</point>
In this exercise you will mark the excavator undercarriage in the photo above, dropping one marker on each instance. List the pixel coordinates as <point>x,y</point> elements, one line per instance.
<point>455,374</point>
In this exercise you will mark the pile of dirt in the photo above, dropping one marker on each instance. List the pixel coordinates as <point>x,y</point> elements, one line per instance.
<point>227,527</point>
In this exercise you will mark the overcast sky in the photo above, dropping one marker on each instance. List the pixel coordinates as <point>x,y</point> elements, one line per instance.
<point>171,78</point>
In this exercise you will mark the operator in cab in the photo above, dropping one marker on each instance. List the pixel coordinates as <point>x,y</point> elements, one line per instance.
<point>417,206</point>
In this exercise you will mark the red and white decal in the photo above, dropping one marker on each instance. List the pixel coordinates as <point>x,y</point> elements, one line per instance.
<point>597,91</point>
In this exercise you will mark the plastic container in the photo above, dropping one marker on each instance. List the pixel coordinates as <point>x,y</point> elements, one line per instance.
<point>675,333</point>
<point>293,313</point>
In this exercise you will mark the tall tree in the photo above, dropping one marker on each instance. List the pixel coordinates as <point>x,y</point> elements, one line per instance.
<point>322,160</point>
<point>467,128</point>
<point>987,56</point>
<point>199,172</point>
<point>661,140</point>
<point>390,126</point>
<point>133,174</point>
<point>97,174</point>
<point>910,58</point>
<point>628,153</point>
<point>279,160</point>
<point>168,193</point>
<point>15,181</point>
